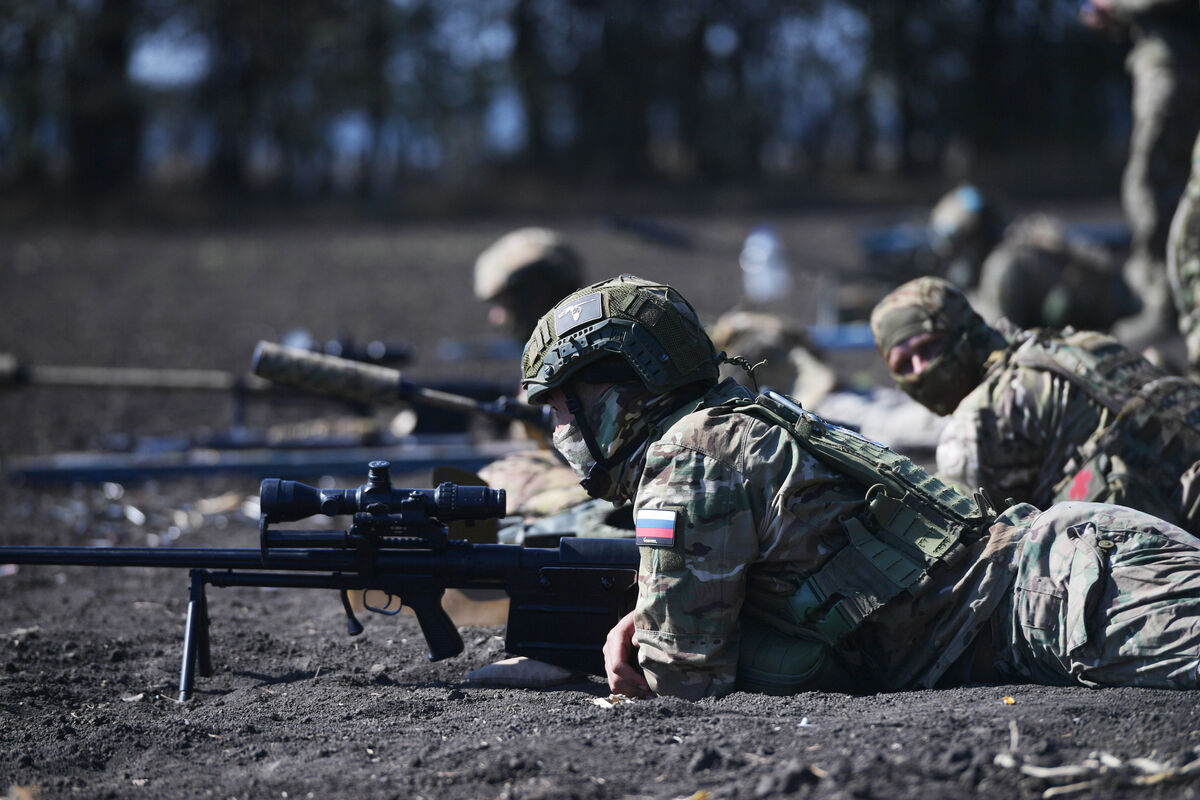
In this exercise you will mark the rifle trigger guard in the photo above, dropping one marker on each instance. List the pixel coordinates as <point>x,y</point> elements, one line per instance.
<point>386,606</point>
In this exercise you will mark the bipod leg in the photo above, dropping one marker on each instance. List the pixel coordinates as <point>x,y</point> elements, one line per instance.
<point>195,637</point>
<point>203,654</point>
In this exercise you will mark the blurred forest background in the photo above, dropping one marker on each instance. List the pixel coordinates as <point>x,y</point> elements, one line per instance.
<point>180,109</point>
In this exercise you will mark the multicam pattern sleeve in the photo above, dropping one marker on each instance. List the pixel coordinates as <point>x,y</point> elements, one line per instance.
<point>1015,434</point>
<point>1183,262</point>
<point>690,594</point>
<point>755,513</point>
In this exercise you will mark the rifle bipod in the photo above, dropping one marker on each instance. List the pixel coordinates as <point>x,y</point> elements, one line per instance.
<point>197,654</point>
<point>195,636</point>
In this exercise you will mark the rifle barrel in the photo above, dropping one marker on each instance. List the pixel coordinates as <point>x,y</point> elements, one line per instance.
<point>143,378</point>
<point>13,372</point>
<point>179,557</point>
<point>463,565</point>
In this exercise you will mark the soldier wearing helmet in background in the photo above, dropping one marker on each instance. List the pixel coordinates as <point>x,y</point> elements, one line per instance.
<point>1183,263</point>
<point>519,276</point>
<point>522,273</point>
<point>780,553</point>
<point>1041,416</point>
<point>964,226</point>
<point>1164,64</point>
<point>1032,271</point>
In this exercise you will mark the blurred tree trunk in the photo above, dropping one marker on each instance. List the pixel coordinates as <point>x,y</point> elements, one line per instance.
<point>902,67</point>
<point>629,63</point>
<point>612,88</point>
<point>27,104</point>
<point>229,95</point>
<point>988,120</point>
<point>752,121</point>
<point>690,99</point>
<point>861,111</point>
<point>104,114</point>
<point>377,40</point>
<point>531,72</point>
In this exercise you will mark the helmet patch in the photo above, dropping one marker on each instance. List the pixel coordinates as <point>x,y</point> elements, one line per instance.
<point>585,310</point>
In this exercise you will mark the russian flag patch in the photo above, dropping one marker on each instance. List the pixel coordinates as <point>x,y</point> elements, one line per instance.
<point>656,527</point>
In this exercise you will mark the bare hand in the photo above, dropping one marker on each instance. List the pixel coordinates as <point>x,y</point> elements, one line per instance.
<point>619,660</point>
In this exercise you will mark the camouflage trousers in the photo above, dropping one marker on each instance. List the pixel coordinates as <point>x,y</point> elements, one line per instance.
<point>1166,113</point>
<point>1183,262</point>
<point>1103,596</point>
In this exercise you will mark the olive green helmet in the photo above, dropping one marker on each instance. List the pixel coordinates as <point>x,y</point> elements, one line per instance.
<point>649,325</point>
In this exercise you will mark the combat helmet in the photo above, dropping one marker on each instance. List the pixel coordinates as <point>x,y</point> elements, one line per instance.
<point>649,325</point>
<point>957,217</point>
<point>641,337</point>
<point>523,272</point>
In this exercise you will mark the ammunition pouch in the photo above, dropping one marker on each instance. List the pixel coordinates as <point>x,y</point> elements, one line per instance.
<point>777,663</point>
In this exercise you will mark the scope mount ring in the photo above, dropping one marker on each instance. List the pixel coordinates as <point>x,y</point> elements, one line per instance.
<point>262,536</point>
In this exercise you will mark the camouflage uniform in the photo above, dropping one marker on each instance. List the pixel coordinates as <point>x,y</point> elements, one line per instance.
<point>1103,596</point>
<point>761,515</point>
<point>794,367</point>
<point>777,556</point>
<point>1042,418</point>
<point>1164,64</point>
<point>537,483</point>
<point>1183,263</point>
<point>545,501</point>
<point>1041,429</point>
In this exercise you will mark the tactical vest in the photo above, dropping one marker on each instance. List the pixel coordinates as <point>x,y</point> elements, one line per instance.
<point>1152,439</point>
<point>914,525</point>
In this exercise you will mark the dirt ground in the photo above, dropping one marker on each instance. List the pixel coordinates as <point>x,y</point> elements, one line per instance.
<point>89,657</point>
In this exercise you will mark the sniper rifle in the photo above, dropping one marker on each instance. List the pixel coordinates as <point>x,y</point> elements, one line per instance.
<point>562,600</point>
<point>373,384</point>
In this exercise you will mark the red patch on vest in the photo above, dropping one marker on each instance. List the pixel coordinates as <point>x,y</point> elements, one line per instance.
<point>1079,486</point>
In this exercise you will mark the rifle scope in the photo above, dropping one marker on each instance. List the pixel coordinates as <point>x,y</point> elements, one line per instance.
<point>288,501</point>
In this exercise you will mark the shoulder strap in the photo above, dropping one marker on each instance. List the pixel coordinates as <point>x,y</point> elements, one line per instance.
<point>914,523</point>
<point>1109,378</point>
<point>868,462</point>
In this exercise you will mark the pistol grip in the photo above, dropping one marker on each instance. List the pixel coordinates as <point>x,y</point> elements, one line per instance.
<point>440,633</point>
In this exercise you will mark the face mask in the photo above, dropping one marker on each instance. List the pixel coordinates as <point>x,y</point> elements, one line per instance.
<point>946,380</point>
<point>619,419</point>
<point>568,441</point>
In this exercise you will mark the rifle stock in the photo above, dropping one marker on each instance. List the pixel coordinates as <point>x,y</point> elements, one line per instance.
<point>563,600</point>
